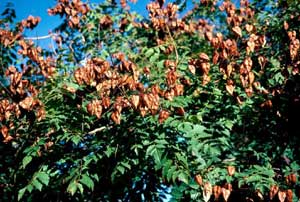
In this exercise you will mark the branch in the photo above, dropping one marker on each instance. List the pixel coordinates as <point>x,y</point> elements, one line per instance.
<point>174,44</point>
<point>44,37</point>
<point>96,130</point>
<point>40,37</point>
<point>7,91</point>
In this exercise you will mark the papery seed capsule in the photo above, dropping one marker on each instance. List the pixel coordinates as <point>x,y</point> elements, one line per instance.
<point>273,191</point>
<point>231,170</point>
<point>199,180</point>
<point>289,195</point>
<point>281,196</point>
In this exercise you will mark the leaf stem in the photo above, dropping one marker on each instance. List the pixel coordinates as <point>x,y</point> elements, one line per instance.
<point>174,44</point>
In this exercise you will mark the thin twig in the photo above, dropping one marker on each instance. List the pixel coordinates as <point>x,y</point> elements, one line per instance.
<point>96,130</point>
<point>44,37</point>
<point>40,37</point>
<point>52,46</point>
<point>7,91</point>
<point>174,44</point>
<point>2,85</point>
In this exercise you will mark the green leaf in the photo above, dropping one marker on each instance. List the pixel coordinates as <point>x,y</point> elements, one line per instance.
<point>149,52</point>
<point>150,150</point>
<point>126,165</point>
<point>76,139</point>
<point>157,158</point>
<point>166,168</point>
<point>72,188</point>
<point>37,184</point>
<point>87,181</point>
<point>21,193</point>
<point>171,172</point>
<point>226,132</point>
<point>26,161</point>
<point>95,176</point>
<point>253,178</point>
<point>109,151</point>
<point>228,124</point>
<point>43,177</point>
<point>183,67</point>
<point>161,142</point>
<point>183,177</point>
<point>121,169</point>
<point>275,63</point>
<point>80,187</point>
<point>29,188</point>
<point>182,159</point>
<point>104,53</point>
<point>154,58</point>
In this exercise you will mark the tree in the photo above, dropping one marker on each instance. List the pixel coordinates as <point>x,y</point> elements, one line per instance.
<point>197,104</point>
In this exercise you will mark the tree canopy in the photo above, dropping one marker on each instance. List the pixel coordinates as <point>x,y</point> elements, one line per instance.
<point>189,103</point>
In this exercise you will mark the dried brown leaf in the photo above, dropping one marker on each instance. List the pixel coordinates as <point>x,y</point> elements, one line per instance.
<point>230,88</point>
<point>281,196</point>
<point>199,180</point>
<point>204,56</point>
<point>27,103</point>
<point>230,170</point>
<point>237,30</point>
<point>135,101</point>
<point>207,191</point>
<point>116,117</point>
<point>225,193</point>
<point>163,115</point>
<point>273,191</point>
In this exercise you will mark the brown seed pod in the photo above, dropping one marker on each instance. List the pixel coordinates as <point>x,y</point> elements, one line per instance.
<point>291,179</point>
<point>204,57</point>
<point>289,196</point>
<point>163,115</point>
<point>198,179</point>
<point>273,191</point>
<point>237,30</point>
<point>231,170</point>
<point>116,117</point>
<point>225,193</point>
<point>281,196</point>
<point>217,191</point>
<point>207,191</point>
<point>180,111</point>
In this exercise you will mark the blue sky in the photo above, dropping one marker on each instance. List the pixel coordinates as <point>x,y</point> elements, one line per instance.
<point>24,8</point>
